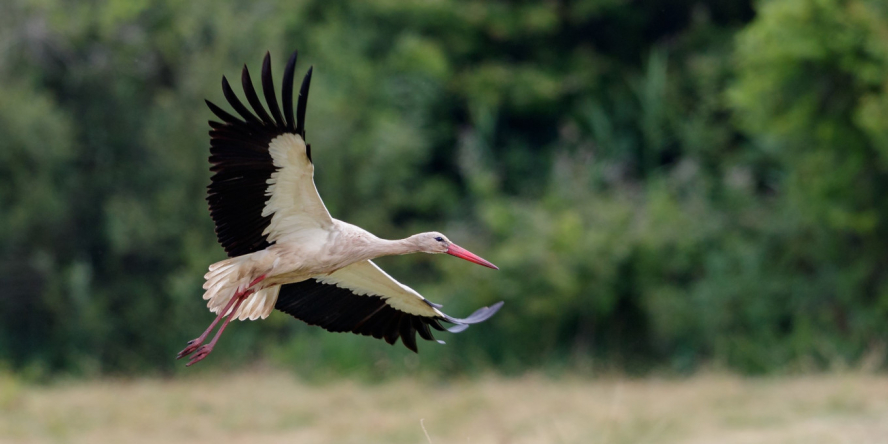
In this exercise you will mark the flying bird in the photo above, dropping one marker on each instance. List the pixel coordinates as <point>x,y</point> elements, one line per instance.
<point>285,250</point>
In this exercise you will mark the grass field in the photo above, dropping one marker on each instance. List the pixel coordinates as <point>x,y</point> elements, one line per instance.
<point>273,407</point>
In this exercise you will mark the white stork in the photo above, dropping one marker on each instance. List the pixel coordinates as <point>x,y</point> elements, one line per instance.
<point>285,250</point>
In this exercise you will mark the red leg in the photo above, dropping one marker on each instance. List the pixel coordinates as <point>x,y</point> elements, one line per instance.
<point>205,350</point>
<point>256,281</point>
<point>195,343</point>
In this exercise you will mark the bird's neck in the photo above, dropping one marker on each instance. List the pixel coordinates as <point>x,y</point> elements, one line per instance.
<point>385,247</point>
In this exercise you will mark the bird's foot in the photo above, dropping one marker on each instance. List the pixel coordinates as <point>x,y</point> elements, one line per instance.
<point>202,352</point>
<point>192,346</point>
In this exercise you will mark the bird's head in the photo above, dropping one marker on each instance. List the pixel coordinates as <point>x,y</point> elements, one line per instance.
<point>435,242</point>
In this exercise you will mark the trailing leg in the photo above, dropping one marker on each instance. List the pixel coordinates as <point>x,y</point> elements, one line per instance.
<point>235,300</point>
<point>196,342</point>
<point>204,350</point>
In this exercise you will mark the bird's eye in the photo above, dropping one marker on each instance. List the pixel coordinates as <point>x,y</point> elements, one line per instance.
<point>439,239</point>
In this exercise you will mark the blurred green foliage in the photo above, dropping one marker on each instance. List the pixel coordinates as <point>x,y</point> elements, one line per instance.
<point>665,184</point>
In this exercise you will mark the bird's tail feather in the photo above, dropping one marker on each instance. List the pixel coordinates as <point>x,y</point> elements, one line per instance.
<point>227,278</point>
<point>258,305</point>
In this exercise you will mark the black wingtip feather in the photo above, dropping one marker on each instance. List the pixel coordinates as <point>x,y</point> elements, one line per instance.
<point>423,329</point>
<point>408,334</point>
<point>302,103</point>
<point>227,118</point>
<point>268,91</point>
<point>391,330</point>
<point>247,84</point>
<point>236,103</point>
<point>287,92</point>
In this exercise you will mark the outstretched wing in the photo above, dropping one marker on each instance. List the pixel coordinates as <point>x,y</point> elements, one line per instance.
<point>363,299</point>
<point>263,186</point>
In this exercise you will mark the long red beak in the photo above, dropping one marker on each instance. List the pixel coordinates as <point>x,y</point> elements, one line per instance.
<point>462,253</point>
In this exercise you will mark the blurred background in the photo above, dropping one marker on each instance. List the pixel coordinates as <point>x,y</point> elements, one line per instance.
<point>667,186</point>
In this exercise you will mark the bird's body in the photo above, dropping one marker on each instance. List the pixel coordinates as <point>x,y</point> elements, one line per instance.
<point>316,256</point>
<point>286,251</point>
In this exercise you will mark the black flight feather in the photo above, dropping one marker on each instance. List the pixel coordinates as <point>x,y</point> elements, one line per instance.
<point>247,84</point>
<point>288,93</point>
<point>240,160</point>
<point>312,301</point>
<point>236,103</point>
<point>268,90</point>
<point>227,118</point>
<point>301,102</point>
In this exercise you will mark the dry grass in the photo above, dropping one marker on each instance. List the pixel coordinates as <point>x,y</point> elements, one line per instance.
<point>268,407</point>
